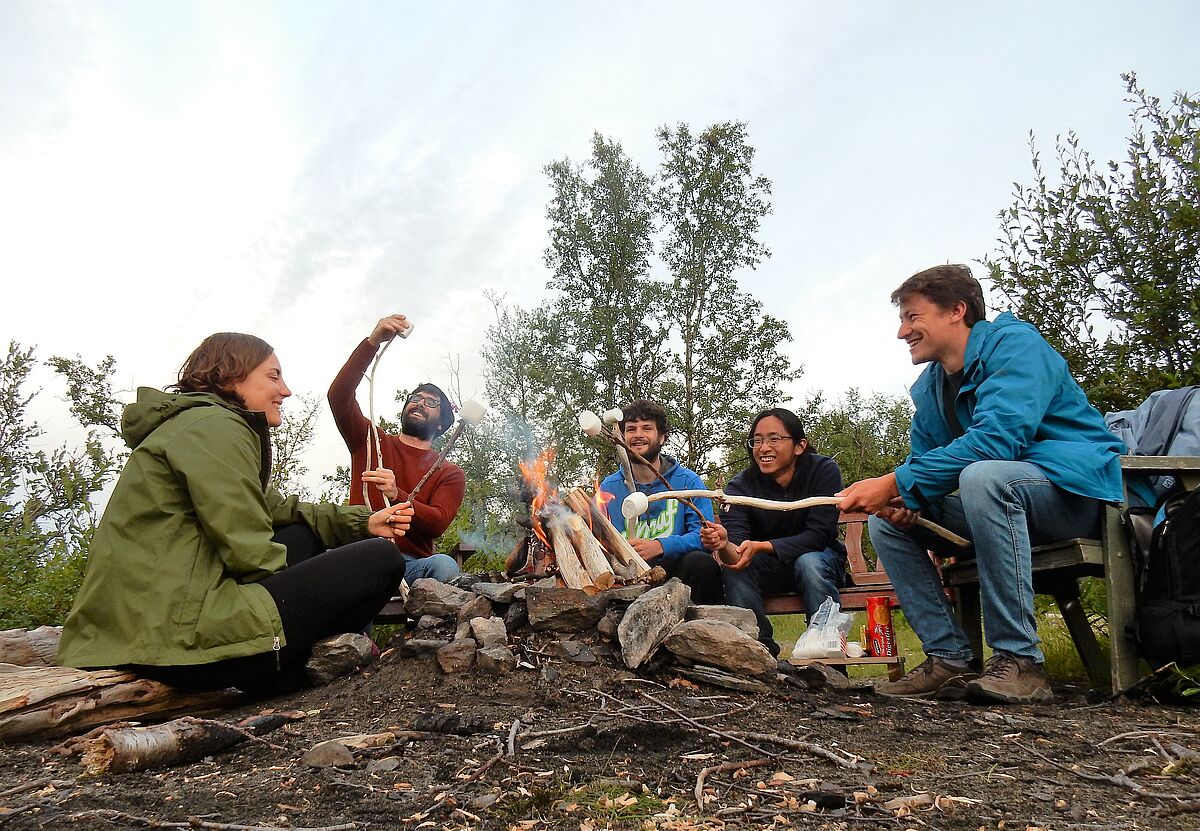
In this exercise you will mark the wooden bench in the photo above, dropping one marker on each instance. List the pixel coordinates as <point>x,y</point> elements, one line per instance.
<point>1056,572</point>
<point>867,582</point>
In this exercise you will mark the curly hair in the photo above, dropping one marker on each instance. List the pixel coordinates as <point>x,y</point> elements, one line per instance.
<point>643,410</point>
<point>944,286</point>
<point>220,361</point>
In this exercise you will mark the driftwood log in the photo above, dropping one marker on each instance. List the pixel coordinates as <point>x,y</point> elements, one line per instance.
<point>30,647</point>
<point>45,702</point>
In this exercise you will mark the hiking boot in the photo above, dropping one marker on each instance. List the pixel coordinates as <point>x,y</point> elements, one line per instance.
<point>933,678</point>
<point>1009,679</point>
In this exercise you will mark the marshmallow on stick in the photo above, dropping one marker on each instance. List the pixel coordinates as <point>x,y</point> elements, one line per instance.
<point>471,413</point>
<point>771,505</point>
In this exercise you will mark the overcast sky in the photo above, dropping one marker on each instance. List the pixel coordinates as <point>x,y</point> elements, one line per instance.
<point>297,170</point>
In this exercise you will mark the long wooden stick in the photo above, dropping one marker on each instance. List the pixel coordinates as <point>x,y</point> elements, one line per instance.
<point>800,504</point>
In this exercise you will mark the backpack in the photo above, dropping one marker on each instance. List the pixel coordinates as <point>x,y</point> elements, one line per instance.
<point>1167,423</point>
<point>1167,623</point>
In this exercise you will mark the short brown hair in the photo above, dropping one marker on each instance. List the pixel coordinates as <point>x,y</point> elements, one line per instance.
<point>643,410</point>
<point>220,361</point>
<point>945,285</point>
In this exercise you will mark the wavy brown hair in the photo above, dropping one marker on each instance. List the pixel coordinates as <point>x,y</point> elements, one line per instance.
<point>219,362</point>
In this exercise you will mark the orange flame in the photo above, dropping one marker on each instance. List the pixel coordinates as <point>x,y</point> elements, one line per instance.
<point>537,476</point>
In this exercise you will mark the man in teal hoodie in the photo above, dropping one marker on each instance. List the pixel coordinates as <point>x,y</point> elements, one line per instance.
<point>1006,450</point>
<point>668,534</point>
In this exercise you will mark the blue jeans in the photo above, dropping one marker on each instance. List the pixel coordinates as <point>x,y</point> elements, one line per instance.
<point>814,574</point>
<point>1005,508</point>
<point>441,567</point>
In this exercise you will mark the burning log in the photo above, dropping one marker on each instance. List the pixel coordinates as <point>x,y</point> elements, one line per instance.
<point>569,567</point>
<point>618,547</point>
<point>591,555</point>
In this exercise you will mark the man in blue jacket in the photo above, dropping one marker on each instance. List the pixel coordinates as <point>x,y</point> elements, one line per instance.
<point>1006,450</point>
<point>668,534</point>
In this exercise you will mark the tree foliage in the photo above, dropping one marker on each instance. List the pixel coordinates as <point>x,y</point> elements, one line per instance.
<point>1106,261</point>
<point>645,304</point>
<point>47,508</point>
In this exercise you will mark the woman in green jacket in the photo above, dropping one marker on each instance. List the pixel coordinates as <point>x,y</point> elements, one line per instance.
<point>199,574</point>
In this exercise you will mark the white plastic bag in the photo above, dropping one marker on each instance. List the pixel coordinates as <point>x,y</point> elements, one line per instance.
<point>825,636</point>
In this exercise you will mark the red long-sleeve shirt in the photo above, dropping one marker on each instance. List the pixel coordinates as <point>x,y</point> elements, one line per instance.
<point>440,497</point>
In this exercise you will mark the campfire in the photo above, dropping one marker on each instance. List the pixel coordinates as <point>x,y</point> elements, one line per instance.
<point>571,536</point>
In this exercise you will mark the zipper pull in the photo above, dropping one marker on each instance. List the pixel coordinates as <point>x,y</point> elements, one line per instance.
<point>275,649</point>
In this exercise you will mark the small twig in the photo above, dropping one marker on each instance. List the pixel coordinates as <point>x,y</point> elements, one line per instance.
<point>35,785</point>
<point>846,760</point>
<point>705,727</point>
<point>1117,779</point>
<point>195,822</point>
<point>512,737</point>
<point>721,768</point>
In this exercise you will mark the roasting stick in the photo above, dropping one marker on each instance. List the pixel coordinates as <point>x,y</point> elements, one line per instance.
<point>373,429</point>
<point>771,505</point>
<point>611,418</point>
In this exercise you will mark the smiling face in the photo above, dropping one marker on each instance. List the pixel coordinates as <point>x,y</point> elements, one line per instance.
<point>933,333</point>
<point>263,390</point>
<point>643,437</point>
<point>422,415</point>
<point>774,450</point>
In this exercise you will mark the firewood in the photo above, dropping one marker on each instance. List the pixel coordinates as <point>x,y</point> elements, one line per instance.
<point>122,749</point>
<point>569,567</point>
<point>591,555</point>
<point>618,547</point>
<point>30,647</point>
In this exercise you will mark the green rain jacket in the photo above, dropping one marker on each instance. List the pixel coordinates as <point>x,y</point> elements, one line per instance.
<point>173,567</point>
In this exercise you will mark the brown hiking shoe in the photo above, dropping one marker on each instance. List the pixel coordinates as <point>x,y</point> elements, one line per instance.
<point>933,678</point>
<point>1009,679</point>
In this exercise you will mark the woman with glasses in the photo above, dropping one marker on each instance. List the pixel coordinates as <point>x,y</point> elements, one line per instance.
<point>199,574</point>
<point>387,473</point>
<point>781,551</point>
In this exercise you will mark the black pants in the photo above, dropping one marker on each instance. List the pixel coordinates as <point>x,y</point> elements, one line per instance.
<point>320,593</point>
<point>700,571</point>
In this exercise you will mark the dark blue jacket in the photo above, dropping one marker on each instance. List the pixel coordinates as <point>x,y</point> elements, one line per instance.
<point>1018,402</point>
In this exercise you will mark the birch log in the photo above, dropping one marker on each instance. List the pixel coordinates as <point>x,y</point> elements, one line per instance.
<point>602,526</point>
<point>30,647</point>
<point>600,571</point>
<point>569,567</point>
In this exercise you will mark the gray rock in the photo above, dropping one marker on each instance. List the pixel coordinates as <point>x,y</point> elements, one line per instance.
<point>721,645</point>
<point>477,606</point>
<point>717,678</point>
<point>626,594</point>
<point>607,625</point>
<point>735,615</point>
<point>432,597</point>
<point>465,580</point>
<point>498,592</point>
<point>563,610</point>
<point>819,676</point>
<point>575,651</point>
<point>384,765</point>
<point>420,646</point>
<point>516,616</point>
<point>497,659</point>
<point>328,754</point>
<point>428,622</point>
<point>337,656</point>
<point>457,656</point>
<point>650,619</point>
<point>489,631</point>
<point>463,630</point>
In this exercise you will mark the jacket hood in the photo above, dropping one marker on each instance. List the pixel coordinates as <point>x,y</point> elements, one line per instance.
<point>154,407</point>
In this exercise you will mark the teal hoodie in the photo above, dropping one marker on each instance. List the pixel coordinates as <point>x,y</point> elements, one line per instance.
<point>1018,402</point>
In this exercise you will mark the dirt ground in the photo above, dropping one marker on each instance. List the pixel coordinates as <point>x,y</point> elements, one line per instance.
<point>596,746</point>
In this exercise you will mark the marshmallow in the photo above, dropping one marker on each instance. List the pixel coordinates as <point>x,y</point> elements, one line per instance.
<point>472,411</point>
<point>613,416</point>
<point>407,330</point>
<point>589,423</point>
<point>634,505</point>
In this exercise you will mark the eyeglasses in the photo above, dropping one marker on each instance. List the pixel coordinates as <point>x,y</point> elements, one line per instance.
<point>770,441</point>
<point>426,401</point>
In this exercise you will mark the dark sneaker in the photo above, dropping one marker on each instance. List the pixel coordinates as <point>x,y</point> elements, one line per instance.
<point>1009,679</point>
<point>934,678</point>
